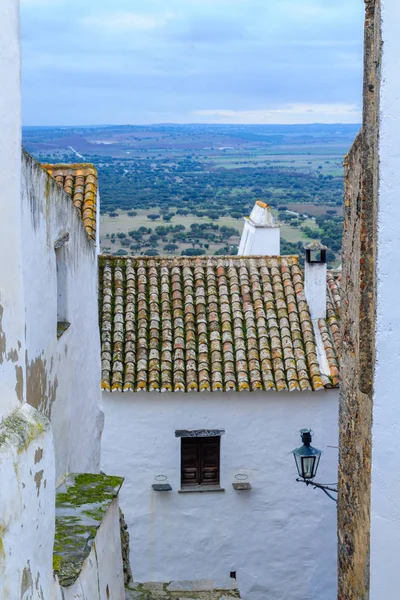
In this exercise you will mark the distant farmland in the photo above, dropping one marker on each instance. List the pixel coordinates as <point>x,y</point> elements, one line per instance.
<point>194,175</point>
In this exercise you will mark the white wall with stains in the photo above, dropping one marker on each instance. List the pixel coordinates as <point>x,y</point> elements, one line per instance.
<point>59,377</point>
<point>27,511</point>
<point>62,375</point>
<point>280,537</point>
<point>27,521</point>
<point>12,319</point>
<point>50,420</point>
<point>56,423</point>
<point>102,575</point>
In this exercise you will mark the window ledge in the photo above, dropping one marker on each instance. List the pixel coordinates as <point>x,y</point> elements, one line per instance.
<point>200,488</point>
<point>62,327</point>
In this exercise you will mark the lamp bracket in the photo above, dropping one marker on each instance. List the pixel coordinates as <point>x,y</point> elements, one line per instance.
<point>321,486</point>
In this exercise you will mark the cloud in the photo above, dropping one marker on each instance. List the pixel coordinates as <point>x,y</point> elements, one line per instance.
<point>27,4</point>
<point>132,60</point>
<point>318,11</point>
<point>310,10</point>
<point>124,21</point>
<point>288,114</point>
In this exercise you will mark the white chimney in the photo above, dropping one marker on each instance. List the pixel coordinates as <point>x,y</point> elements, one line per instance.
<point>315,279</point>
<point>261,233</point>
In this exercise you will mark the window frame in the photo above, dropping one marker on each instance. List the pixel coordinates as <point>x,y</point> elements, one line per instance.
<point>198,445</point>
<point>61,254</point>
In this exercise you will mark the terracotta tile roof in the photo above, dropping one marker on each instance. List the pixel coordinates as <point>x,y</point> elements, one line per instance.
<point>334,279</point>
<point>330,327</point>
<point>81,183</point>
<point>206,323</point>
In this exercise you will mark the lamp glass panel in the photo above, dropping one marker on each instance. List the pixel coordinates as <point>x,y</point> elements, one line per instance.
<point>308,466</point>
<point>299,465</point>
<point>307,460</point>
<point>318,456</point>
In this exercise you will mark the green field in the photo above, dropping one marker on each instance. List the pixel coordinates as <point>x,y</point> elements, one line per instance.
<point>194,175</point>
<point>124,223</point>
<point>322,162</point>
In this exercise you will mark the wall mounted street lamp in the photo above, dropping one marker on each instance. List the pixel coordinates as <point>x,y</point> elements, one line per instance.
<point>307,460</point>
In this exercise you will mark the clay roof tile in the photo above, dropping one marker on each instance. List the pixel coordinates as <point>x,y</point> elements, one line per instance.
<point>80,182</point>
<point>210,324</point>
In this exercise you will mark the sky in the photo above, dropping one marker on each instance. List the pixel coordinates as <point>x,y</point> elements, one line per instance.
<point>191,61</point>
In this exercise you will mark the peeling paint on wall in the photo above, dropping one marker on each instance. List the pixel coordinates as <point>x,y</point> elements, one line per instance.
<point>38,455</point>
<point>12,355</point>
<point>26,517</point>
<point>40,393</point>
<point>19,386</point>
<point>3,530</point>
<point>2,336</point>
<point>65,369</point>
<point>26,582</point>
<point>38,480</point>
<point>39,588</point>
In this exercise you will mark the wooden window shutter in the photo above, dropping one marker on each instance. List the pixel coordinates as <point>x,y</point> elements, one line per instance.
<point>209,460</point>
<point>200,460</point>
<point>190,462</point>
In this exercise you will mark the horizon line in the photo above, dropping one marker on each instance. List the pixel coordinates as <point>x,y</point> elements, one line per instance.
<point>194,123</point>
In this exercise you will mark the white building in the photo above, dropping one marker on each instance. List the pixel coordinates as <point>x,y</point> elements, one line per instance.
<point>244,327</point>
<point>50,420</point>
<point>261,233</point>
<point>229,325</point>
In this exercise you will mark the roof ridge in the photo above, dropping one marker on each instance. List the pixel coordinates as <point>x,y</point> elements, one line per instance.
<point>80,182</point>
<point>291,258</point>
<point>57,166</point>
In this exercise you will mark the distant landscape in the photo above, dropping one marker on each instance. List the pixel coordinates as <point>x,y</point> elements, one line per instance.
<point>184,189</point>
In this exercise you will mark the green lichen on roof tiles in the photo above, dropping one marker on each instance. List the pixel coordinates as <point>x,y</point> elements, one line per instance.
<point>334,280</point>
<point>80,182</point>
<point>82,501</point>
<point>206,324</point>
<point>330,327</point>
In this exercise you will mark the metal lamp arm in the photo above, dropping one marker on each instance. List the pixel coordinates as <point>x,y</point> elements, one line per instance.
<point>321,486</point>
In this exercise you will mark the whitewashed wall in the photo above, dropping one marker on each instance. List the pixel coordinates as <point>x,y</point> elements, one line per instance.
<point>102,576</point>
<point>385,494</point>
<point>27,521</point>
<point>280,537</point>
<point>315,289</point>
<point>62,375</point>
<point>59,378</point>
<point>27,512</point>
<point>12,318</point>
<point>259,241</point>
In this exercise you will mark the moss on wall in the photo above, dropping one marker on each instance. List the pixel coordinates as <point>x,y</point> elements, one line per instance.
<point>20,429</point>
<point>82,501</point>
